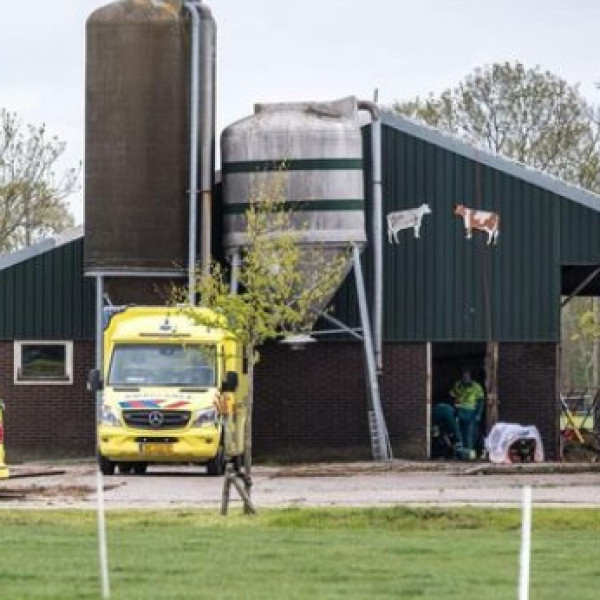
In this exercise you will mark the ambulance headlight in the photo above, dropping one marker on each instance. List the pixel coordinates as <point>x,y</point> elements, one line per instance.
<point>206,417</point>
<point>109,418</point>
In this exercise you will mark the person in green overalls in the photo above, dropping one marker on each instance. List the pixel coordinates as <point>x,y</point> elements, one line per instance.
<point>468,398</point>
<point>446,439</point>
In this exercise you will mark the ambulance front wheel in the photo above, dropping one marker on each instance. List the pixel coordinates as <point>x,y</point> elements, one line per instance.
<point>106,466</point>
<point>216,466</point>
<point>140,468</point>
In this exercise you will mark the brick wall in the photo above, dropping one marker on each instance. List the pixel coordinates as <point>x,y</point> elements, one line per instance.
<point>312,404</point>
<point>43,421</point>
<point>403,391</point>
<point>309,404</point>
<point>527,389</point>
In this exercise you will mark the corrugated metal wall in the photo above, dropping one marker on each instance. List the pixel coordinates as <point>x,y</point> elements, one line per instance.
<point>580,234</point>
<point>444,287</point>
<point>47,297</point>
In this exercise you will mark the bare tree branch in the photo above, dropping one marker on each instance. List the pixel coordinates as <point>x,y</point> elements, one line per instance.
<point>32,198</point>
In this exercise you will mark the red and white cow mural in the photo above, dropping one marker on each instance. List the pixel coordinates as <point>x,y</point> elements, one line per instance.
<point>486,221</point>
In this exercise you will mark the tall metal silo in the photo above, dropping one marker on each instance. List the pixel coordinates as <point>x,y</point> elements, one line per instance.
<point>316,149</point>
<point>137,164</point>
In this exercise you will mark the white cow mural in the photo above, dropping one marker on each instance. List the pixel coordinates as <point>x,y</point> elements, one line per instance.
<point>405,219</point>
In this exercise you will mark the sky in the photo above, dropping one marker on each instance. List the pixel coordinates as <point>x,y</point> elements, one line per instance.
<point>284,50</point>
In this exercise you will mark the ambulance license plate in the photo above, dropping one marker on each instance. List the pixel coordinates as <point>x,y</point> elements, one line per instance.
<point>158,448</point>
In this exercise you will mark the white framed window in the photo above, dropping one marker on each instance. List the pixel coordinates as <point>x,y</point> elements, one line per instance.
<point>43,362</point>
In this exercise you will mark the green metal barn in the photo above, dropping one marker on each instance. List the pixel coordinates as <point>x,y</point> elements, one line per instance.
<point>448,301</point>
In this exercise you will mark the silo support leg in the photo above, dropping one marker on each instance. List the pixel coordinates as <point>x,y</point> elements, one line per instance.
<point>377,427</point>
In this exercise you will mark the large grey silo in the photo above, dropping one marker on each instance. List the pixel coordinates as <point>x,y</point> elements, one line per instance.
<point>137,137</point>
<point>316,149</point>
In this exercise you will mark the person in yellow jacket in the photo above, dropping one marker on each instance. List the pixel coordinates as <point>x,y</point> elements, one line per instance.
<point>468,398</point>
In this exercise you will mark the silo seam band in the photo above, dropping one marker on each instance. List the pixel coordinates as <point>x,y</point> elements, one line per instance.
<point>240,208</point>
<point>307,164</point>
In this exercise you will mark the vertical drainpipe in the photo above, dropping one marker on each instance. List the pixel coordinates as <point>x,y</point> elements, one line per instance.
<point>207,129</point>
<point>377,224</point>
<point>236,262</point>
<point>202,126</point>
<point>192,8</point>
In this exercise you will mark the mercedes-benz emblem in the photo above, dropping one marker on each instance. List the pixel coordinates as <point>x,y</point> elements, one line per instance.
<point>155,418</point>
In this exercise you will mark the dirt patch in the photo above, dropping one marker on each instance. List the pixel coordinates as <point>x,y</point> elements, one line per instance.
<point>64,492</point>
<point>316,484</point>
<point>349,469</point>
<point>6,494</point>
<point>447,468</point>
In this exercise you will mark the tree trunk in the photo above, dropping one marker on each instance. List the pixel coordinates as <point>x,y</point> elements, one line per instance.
<point>248,431</point>
<point>491,370</point>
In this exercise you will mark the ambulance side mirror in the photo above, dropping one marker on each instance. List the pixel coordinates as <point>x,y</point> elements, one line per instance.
<point>2,405</point>
<point>94,382</point>
<point>230,382</point>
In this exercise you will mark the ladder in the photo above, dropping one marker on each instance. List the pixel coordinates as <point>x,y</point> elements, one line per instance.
<point>379,439</point>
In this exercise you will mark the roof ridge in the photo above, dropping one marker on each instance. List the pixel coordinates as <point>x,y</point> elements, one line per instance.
<point>485,155</point>
<point>41,246</point>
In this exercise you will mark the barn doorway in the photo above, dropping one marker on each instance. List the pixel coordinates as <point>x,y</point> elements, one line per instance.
<point>579,367</point>
<point>447,362</point>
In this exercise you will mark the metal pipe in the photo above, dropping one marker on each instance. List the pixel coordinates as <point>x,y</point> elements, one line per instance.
<point>141,273</point>
<point>352,331</point>
<point>192,8</point>
<point>207,131</point>
<point>341,325</point>
<point>581,286</point>
<point>235,272</point>
<point>381,445</point>
<point>377,224</point>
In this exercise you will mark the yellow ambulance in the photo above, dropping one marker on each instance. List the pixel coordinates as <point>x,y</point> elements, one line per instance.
<point>164,383</point>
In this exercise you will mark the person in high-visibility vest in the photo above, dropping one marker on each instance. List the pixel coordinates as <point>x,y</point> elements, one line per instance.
<point>468,398</point>
<point>3,467</point>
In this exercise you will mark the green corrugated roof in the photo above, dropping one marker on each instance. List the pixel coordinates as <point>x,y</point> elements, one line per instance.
<point>43,293</point>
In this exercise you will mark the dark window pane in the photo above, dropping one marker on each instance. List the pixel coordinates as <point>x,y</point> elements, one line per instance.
<point>43,361</point>
<point>164,364</point>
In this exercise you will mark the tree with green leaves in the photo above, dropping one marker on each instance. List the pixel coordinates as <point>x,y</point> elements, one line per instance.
<point>283,285</point>
<point>586,338</point>
<point>32,195</point>
<point>529,115</point>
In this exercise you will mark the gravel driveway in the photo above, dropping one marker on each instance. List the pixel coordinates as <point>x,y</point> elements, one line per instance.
<point>356,484</point>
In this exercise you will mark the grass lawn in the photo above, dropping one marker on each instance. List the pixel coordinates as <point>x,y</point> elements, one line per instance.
<point>345,554</point>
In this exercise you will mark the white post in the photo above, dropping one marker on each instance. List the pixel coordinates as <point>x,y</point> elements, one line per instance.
<point>102,549</point>
<point>525,544</point>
